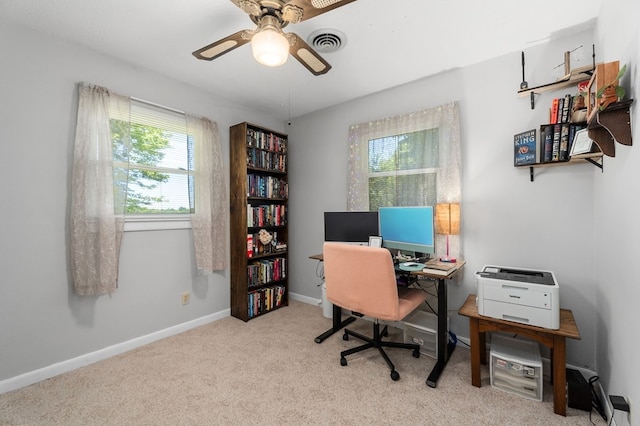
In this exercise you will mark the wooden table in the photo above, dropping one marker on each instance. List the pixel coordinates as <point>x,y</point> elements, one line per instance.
<point>555,340</point>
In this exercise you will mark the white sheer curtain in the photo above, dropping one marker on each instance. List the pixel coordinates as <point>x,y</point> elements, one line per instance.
<point>446,119</point>
<point>98,210</point>
<point>209,220</point>
<point>97,221</point>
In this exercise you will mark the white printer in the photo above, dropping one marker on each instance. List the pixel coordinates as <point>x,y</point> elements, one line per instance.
<point>520,295</point>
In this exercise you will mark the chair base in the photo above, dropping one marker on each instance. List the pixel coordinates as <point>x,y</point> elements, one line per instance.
<point>377,342</point>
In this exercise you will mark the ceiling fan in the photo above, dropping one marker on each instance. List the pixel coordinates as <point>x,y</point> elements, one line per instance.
<point>271,46</point>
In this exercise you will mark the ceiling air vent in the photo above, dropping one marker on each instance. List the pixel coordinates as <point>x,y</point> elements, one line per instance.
<point>327,40</point>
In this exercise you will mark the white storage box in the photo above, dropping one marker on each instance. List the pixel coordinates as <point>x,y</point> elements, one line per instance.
<point>422,328</point>
<point>516,366</point>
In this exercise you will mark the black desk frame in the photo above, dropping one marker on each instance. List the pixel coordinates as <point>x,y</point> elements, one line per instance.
<point>444,351</point>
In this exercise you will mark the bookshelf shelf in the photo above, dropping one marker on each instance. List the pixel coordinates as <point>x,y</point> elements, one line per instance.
<point>606,127</point>
<point>572,79</point>
<point>594,158</point>
<point>259,204</point>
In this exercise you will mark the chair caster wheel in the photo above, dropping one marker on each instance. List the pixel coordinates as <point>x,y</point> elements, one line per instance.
<point>343,361</point>
<point>345,336</point>
<point>416,353</point>
<point>395,376</point>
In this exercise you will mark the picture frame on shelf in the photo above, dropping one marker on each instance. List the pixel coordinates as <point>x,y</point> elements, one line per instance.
<point>582,143</point>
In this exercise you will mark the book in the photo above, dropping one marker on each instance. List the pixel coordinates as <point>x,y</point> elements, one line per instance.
<point>250,245</point>
<point>560,108</point>
<point>564,142</point>
<point>436,267</point>
<point>524,148</point>
<point>566,108</point>
<point>555,150</point>
<point>548,144</point>
<point>553,118</point>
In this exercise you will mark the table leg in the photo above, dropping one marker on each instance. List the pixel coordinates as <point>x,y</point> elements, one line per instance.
<point>559,375</point>
<point>483,348</point>
<point>476,350</point>
<point>444,349</point>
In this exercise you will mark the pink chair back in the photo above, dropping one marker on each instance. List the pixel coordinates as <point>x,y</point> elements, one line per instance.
<point>362,279</point>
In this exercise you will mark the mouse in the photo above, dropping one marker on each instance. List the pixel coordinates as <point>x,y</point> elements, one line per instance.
<point>410,264</point>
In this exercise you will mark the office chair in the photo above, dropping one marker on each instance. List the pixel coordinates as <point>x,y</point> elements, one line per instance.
<point>362,279</point>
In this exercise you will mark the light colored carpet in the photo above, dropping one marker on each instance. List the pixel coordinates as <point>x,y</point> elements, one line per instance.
<point>270,371</point>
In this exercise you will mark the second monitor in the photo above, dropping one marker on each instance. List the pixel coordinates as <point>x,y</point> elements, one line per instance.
<point>350,227</point>
<point>407,229</point>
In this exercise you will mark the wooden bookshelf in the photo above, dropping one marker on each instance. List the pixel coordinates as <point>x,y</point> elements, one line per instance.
<point>258,205</point>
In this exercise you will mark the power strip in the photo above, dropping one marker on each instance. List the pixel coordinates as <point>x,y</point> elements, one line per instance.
<point>619,403</point>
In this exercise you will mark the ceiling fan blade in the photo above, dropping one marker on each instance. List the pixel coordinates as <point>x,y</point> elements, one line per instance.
<point>314,8</point>
<point>224,45</point>
<point>306,55</point>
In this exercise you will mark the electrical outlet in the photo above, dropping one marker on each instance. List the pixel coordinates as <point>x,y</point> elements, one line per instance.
<point>186,298</point>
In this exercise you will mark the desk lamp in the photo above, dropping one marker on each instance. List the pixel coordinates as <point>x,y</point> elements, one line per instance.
<point>448,223</point>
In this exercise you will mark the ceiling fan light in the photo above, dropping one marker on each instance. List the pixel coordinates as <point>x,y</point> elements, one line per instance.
<point>270,48</point>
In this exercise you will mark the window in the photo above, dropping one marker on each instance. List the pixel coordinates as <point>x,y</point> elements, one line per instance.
<point>403,169</point>
<point>153,160</point>
<point>132,157</point>
<point>411,159</point>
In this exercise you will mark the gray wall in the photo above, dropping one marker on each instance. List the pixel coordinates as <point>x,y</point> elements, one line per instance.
<point>566,221</point>
<point>616,225</point>
<point>506,219</point>
<point>41,321</point>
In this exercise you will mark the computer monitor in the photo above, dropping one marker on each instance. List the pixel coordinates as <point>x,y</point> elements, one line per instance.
<point>350,227</point>
<point>408,229</point>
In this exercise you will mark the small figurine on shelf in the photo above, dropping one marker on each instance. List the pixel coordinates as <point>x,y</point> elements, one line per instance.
<point>611,92</point>
<point>265,238</point>
<point>579,108</point>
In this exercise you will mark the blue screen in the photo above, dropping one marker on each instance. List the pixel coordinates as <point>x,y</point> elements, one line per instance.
<point>407,228</point>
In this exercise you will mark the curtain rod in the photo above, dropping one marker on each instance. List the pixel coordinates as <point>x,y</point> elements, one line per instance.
<point>158,105</point>
<point>141,100</point>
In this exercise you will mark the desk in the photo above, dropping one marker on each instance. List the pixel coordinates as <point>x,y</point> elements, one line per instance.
<point>555,340</point>
<point>444,352</point>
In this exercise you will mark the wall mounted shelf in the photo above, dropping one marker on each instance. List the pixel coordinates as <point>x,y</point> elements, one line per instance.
<point>576,76</point>
<point>605,127</point>
<point>595,158</point>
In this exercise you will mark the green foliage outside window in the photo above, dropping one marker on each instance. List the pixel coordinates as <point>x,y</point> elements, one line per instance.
<point>402,169</point>
<point>138,154</point>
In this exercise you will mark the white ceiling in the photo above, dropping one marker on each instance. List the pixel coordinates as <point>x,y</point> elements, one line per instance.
<point>389,43</point>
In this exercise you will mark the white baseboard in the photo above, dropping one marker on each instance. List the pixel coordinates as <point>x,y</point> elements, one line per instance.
<point>305,299</point>
<point>53,370</point>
